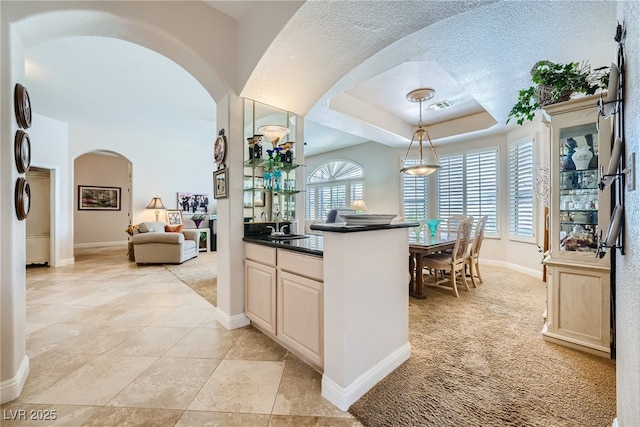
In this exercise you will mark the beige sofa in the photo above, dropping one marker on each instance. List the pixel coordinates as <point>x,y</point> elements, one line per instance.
<point>153,245</point>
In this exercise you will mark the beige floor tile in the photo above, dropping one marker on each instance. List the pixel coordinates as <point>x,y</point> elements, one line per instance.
<point>29,415</point>
<point>95,383</point>
<point>50,367</point>
<point>222,419</point>
<point>185,316</point>
<point>97,339</point>
<point>254,345</point>
<point>51,337</point>
<point>300,392</point>
<point>240,386</point>
<point>211,343</point>
<point>52,313</point>
<point>99,297</point>
<point>129,417</point>
<point>150,341</point>
<point>299,421</point>
<point>32,327</point>
<point>168,384</point>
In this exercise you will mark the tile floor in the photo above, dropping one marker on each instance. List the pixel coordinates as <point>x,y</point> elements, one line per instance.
<point>114,344</point>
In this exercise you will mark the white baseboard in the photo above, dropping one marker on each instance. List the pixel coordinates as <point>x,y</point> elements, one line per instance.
<point>231,322</point>
<point>511,266</point>
<point>344,397</point>
<point>65,262</point>
<point>10,389</point>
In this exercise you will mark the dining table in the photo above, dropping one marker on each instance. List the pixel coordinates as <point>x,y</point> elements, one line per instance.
<point>425,244</point>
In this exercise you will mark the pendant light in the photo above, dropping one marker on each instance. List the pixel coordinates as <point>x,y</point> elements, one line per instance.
<point>430,163</point>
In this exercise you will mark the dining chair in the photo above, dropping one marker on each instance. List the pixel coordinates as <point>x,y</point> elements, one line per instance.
<point>474,250</point>
<point>453,262</point>
<point>452,223</point>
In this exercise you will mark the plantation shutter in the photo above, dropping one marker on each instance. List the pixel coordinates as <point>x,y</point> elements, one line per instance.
<point>482,187</point>
<point>450,184</point>
<point>414,195</point>
<point>521,204</point>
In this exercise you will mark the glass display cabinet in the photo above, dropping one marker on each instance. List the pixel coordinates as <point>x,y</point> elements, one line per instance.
<point>270,163</point>
<point>578,281</point>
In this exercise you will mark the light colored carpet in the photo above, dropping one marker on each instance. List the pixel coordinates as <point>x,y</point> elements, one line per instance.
<point>200,274</point>
<point>480,360</point>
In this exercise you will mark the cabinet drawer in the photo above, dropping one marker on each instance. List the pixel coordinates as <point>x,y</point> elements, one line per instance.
<point>261,254</point>
<point>304,265</point>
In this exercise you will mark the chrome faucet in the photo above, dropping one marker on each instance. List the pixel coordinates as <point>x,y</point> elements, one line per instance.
<point>263,216</point>
<point>277,230</point>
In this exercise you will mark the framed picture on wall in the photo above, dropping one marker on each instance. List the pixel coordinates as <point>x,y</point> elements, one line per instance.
<point>91,198</point>
<point>174,217</point>
<point>192,203</point>
<point>220,184</point>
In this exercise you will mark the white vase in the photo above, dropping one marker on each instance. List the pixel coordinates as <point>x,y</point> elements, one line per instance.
<point>581,157</point>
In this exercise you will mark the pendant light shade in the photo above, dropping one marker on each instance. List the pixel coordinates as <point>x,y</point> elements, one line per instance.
<point>274,133</point>
<point>427,162</point>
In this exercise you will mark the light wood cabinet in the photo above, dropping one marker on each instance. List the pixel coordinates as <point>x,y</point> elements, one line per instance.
<point>260,295</point>
<point>284,299</point>
<point>578,282</point>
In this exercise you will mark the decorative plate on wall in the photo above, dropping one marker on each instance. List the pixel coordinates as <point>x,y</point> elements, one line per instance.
<point>22,198</point>
<point>22,150</point>
<point>219,149</point>
<point>22,106</point>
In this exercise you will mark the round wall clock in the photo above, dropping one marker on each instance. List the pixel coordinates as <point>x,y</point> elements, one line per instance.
<point>22,198</point>
<point>219,149</point>
<point>22,106</point>
<point>22,150</point>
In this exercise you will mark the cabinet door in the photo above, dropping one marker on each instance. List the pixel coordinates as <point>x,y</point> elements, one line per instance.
<point>579,210</point>
<point>260,295</point>
<point>578,309</point>
<point>300,318</point>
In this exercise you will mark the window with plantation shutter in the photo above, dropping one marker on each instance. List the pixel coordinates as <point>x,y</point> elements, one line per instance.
<point>521,197</point>
<point>467,184</point>
<point>333,185</point>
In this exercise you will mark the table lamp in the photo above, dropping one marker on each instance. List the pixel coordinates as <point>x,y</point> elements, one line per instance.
<point>358,206</point>
<point>156,203</point>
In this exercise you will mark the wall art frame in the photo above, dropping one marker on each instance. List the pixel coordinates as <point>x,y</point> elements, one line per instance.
<point>174,217</point>
<point>220,184</point>
<point>94,198</point>
<point>193,203</point>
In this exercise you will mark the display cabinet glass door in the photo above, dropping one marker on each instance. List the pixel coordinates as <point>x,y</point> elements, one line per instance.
<point>579,188</point>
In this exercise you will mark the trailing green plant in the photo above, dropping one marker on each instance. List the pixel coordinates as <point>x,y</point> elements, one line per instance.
<point>556,83</point>
<point>197,217</point>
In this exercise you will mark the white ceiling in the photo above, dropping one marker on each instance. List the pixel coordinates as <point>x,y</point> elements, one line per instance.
<point>365,57</point>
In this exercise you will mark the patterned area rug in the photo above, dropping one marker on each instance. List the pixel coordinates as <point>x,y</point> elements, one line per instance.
<point>200,274</point>
<point>480,360</point>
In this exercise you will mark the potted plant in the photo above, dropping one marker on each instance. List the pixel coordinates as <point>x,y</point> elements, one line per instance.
<point>197,219</point>
<point>556,83</point>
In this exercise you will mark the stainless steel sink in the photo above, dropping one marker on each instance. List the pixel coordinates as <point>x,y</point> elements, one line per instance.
<point>287,237</point>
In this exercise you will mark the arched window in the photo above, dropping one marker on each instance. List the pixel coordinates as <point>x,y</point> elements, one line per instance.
<point>333,185</point>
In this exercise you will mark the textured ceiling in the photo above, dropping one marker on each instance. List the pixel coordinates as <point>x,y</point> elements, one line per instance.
<point>345,65</point>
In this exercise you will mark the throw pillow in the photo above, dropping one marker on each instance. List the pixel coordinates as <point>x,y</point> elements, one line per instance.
<point>173,228</point>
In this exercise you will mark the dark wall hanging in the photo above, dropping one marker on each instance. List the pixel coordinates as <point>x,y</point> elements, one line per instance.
<point>22,198</point>
<point>22,148</point>
<point>22,106</point>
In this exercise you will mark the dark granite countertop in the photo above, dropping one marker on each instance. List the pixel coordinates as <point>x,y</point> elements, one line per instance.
<point>344,228</point>
<point>310,245</point>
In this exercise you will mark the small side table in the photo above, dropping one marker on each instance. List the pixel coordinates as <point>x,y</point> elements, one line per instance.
<point>203,242</point>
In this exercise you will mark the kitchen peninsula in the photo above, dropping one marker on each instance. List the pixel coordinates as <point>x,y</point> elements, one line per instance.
<point>339,301</point>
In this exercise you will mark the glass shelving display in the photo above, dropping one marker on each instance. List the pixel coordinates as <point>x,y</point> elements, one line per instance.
<point>578,193</point>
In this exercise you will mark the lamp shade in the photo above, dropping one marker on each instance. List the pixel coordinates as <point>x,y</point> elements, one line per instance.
<point>155,203</point>
<point>274,133</point>
<point>358,205</point>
